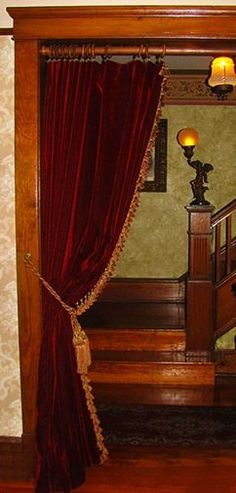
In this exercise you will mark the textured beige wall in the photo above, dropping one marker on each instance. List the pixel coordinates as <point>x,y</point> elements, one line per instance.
<point>10,415</point>
<point>157,244</point>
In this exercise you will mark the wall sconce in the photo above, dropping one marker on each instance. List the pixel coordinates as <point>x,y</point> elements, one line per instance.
<point>187,139</point>
<point>222,77</point>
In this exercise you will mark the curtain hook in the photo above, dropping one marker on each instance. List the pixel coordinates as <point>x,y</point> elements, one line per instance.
<point>161,55</point>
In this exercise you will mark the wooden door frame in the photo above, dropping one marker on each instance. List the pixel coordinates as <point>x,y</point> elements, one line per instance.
<point>194,27</point>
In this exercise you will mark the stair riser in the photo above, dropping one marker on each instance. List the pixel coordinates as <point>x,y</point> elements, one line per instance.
<point>153,373</point>
<point>136,340</point>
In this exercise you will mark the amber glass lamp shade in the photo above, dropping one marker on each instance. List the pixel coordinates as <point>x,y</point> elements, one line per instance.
<point>222,78</point>
<point>187,137</point>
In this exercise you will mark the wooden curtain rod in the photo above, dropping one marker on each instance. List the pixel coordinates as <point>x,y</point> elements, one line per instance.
<point>141,50</point>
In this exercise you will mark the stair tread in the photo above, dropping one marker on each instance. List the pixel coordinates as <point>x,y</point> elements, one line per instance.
<point>162,330</point>
<point>222,394</point>
<point>148,357</point>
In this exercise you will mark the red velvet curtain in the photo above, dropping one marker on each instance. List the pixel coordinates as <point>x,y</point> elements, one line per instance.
<point>96,125</point>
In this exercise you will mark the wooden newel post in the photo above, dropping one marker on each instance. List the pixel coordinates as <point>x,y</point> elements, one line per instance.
<point>199,304</point>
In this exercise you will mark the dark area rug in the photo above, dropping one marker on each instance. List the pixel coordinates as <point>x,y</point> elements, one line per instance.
<point>168,426</point>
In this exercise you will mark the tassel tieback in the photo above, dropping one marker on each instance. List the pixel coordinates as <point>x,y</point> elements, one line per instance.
<point>80,339</point>
<point>81,345</point>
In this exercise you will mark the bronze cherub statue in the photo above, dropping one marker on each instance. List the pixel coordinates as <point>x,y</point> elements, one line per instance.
<point>198,184</point>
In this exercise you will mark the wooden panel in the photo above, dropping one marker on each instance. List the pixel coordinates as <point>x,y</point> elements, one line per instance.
<point>113,22</point>
<point>16,460</point>
<point>143,340</point>
<point>199,329</point>
<point>225,305</point>
<point>200,236</point>
<point>27,222</point>
<point>134,315</point>
<point>225,361</point>
<point>153,373</point>
<point>144,290</point>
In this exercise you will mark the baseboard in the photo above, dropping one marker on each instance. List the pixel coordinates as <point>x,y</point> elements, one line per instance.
<point>17,458</point>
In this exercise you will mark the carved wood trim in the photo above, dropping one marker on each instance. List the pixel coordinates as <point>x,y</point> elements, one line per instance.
<point>143,290</point>
<point>191,89</point>
<point>28,222</point>
<point>201,23</point>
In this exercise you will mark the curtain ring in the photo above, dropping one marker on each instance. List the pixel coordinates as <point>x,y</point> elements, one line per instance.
<point>83,52</point>
<point>140,51</point>
<point>147,56</point>
<point>71,52</point>
<point>93,51</point>
<point>143,53</point>
<point>163,51</point>
<point>106,55</point>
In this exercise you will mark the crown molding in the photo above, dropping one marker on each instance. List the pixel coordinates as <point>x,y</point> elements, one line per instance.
<point>156,22</point>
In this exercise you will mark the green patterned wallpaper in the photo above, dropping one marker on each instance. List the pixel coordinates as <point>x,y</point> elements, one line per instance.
<point>157,242</point>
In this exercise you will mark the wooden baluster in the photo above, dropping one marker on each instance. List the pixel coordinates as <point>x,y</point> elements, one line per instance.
<point>228,243</point>
<point>217,252</point>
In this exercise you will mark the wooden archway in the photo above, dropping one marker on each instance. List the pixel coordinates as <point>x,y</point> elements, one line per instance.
<point>195,30</point>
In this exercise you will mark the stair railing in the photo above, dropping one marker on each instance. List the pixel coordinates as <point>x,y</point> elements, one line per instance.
<point>222,223</point>
<point>210,297</point>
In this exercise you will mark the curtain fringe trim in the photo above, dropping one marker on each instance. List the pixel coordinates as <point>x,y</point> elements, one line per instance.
<point>93,415</point>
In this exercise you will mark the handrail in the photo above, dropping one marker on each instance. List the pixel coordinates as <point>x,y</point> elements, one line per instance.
<point>223,213</point>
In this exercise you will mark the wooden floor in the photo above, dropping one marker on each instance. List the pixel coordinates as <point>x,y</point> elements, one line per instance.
<point>133,469</point>
<point>149,470</point>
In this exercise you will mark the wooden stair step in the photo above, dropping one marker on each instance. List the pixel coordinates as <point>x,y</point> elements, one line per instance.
<point>153,372</point>
<point>225,362</point>
<point>137,339</point>
<point>135,314</point>
<point>222,394</point>
<point>152,356</point>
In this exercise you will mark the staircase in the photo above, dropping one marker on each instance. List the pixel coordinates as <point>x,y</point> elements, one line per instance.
<point>152,339</point>
<point>139,350</point>
<point>162,362</point>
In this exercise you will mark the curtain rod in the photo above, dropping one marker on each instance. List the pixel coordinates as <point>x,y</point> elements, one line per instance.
<point>142,50</point>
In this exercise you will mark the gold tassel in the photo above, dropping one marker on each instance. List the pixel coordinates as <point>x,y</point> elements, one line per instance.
<point>81,345</point>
